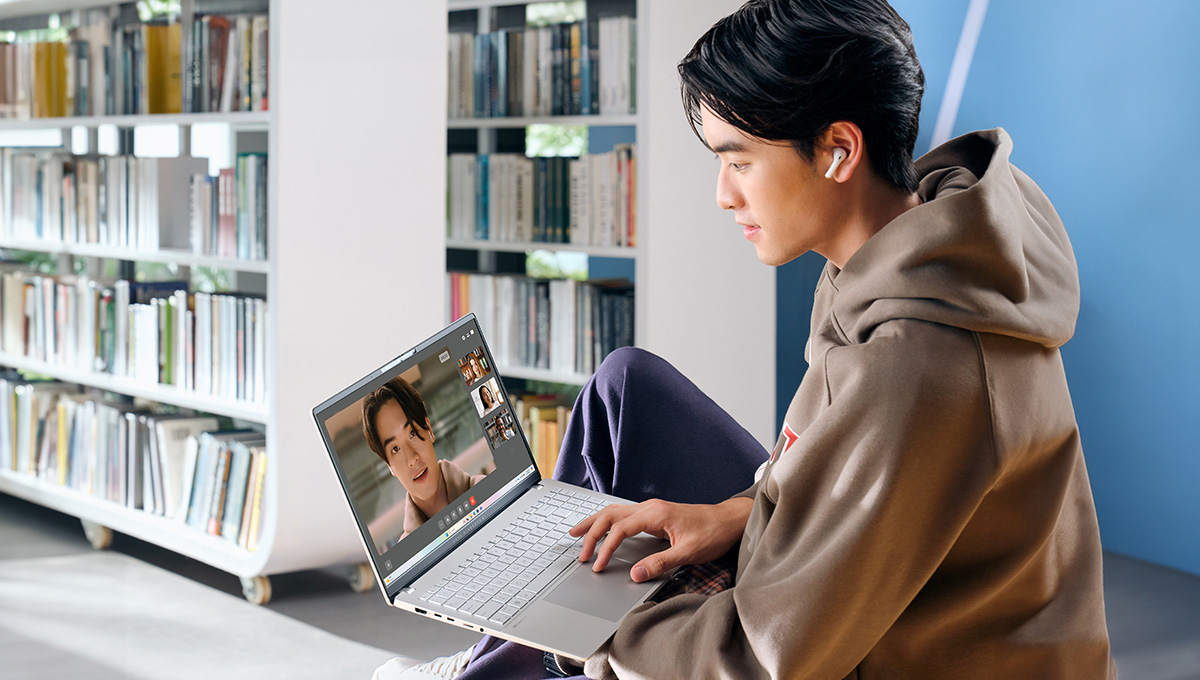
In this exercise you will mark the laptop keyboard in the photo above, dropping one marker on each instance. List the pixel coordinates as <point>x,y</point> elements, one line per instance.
<point>504,576</point>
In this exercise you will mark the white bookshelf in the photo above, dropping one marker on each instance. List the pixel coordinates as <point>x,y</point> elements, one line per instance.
<point>167,394</point>
<point>702,299</point>
<point>526,121</point>
<point>180,257</point>
<point>171,534</point>
<point>242,119</point>
<point>336,233</point>
<point>526,246</point>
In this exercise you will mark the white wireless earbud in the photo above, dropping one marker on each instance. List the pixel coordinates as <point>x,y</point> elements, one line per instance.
<point>839,155</point>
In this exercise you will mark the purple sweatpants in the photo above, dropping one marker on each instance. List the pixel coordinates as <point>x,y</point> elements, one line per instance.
<point>639,430</point>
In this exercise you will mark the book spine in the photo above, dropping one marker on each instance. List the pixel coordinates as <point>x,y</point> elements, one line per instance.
<point>219,489</point>
<point>257,507</point>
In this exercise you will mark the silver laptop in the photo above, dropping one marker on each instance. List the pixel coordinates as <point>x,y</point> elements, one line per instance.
<point>456,521</point>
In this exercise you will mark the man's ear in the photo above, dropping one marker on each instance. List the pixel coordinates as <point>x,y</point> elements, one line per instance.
<point>840,135</point>
<point>429,429</point>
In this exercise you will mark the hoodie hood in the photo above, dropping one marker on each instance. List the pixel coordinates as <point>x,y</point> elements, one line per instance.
<point>985,251</point>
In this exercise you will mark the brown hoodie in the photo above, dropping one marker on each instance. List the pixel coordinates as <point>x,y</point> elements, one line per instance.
<point>926,513</point>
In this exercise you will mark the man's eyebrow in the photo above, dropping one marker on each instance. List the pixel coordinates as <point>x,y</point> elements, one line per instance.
<point>732,146</point>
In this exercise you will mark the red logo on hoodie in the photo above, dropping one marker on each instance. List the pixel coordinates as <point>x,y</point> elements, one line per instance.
<point>789,437</point>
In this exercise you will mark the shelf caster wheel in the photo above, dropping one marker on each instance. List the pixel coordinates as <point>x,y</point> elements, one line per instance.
<point>361,577</point>
<point>100,536</point>
<point>257,589</point>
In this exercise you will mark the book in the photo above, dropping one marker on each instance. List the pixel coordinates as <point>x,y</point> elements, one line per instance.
<point>171,436</point>
<point>256,505</point>
<point>188,476</point>
<point>220,486</point>
<point>257,455</point>
<point>163,68</point>
<point>241,456</point>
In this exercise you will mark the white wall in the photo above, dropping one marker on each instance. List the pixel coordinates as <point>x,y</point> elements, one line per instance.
<point>358,157</point>
<point>711,308</point>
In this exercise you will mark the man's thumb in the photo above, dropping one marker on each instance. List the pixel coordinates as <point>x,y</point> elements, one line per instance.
<point>653,566</point>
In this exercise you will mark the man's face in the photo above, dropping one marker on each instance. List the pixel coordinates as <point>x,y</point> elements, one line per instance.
<point>780,200</point>
<point>409,450</point>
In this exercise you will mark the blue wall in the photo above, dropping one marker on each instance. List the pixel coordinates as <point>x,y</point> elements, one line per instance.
<point>1102,101</point>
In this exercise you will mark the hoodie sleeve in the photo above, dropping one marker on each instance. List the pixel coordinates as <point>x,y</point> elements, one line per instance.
<point>849,522</point>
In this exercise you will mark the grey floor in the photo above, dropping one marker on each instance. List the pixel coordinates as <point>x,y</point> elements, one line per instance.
<point>1153,612</point>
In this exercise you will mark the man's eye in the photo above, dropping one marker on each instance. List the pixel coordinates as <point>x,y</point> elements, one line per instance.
<point>738,166</point>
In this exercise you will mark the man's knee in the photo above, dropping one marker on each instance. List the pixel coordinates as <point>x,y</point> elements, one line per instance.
<point>626,361</point>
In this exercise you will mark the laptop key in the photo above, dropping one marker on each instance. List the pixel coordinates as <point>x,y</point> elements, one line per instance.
<point>456,602</point>
<point>503,615</point>
<point>487,610</point>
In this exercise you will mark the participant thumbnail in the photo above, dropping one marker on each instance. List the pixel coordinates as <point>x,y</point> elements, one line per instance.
<point>500,429</point>
<point>487,397</point>
<point>474,366</point>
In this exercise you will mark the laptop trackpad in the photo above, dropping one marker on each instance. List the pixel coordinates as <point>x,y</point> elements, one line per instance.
<point>608,595</point>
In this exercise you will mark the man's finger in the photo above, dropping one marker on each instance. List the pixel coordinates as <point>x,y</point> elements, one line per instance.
<point>581,528</point>
<point>653,566</point>
<point>600,523</point>
<point>629,526</point>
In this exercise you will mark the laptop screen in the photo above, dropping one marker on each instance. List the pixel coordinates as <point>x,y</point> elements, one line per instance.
<point>425,447</point>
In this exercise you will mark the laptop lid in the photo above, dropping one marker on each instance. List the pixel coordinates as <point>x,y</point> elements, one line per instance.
<point>427,449</point>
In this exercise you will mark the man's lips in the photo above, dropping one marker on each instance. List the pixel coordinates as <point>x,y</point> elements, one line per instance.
<point>750,230</point>
<point>420,476</point>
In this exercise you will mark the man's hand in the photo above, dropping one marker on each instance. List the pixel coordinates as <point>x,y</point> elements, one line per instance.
<point>698,533</point>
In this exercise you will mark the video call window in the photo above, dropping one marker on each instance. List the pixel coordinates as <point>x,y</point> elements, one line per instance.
<point>410,438</point>
<point>500,429</point>
<point>487,397</point>
<point>474,367</point>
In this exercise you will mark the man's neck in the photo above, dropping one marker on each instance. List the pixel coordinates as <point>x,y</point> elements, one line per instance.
<point>875,207</point>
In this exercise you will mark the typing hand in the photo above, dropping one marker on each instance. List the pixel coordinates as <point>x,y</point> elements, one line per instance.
<point>698,533</point>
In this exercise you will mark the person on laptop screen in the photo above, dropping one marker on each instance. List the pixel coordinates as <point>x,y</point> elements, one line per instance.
<point>396,427</point>
<point>925,511</point>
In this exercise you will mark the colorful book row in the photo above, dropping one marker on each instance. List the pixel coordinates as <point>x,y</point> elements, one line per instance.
<point>119,201</point>
<point>581,68</point>
<point>155,333</point>
<point>587,201</point>
<point>119,65</point>
<point>560,325</point>
<point>227,64</point>
<point>177,466</point>
<point>227,214</point>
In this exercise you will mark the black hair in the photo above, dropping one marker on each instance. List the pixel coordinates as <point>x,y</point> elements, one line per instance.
<point>403,393</point>
<point>785,70</point>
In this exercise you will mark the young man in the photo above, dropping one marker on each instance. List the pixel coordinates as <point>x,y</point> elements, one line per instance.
<point>926,511</point>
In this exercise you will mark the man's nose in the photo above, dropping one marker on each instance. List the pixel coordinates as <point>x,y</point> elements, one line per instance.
<point>727,195</point>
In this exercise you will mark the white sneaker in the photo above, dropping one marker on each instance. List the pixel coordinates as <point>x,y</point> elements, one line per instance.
<point>441,668</point>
